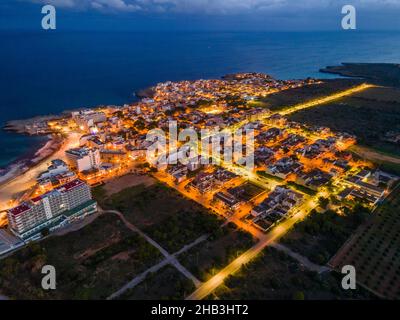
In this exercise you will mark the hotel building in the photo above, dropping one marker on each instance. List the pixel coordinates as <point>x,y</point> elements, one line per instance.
<point>83,159</point>
<point>51,210</point>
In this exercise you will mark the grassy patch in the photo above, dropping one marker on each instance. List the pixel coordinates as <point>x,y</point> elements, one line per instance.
<point>166,284</point>
<point>301,188</point>
<point>287,98</point>
<point>276,276</point>
<point>368,115</point>
<point>374,250</point>
<point>269,176</point>
<point>183,228</point>
<point>209,257</point>
<point>164,214</point>
<point>90,263</point>
<point>320,235</point>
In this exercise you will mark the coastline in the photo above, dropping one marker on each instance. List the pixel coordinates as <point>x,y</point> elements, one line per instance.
<point>30,160</point>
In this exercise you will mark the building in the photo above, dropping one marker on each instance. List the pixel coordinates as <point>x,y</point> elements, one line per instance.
<point>355,181</point>
<point>113,156</point>
<point>227,199</point>
<point>57,167</point>
<point>83,159</point>
<point>51,210</point>
<point>88,118</point>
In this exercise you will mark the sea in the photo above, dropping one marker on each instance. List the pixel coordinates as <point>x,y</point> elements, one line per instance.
<point>46,72</point>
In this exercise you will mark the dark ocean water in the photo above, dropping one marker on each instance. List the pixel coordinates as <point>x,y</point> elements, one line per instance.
<point>47,72</point>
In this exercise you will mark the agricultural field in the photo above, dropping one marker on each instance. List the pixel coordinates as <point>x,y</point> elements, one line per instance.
<point>374,251</point>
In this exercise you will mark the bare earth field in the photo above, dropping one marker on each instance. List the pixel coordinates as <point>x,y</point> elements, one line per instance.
<point>118,184</point>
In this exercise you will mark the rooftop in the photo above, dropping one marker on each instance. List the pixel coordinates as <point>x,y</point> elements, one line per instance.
<point>70,185</point>
<point>23,207</point>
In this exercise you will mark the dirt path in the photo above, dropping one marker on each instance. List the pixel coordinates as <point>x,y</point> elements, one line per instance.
<point>373,155</point>
<point>171,258</point>
<point>303,260</point>
<point>138,279</point>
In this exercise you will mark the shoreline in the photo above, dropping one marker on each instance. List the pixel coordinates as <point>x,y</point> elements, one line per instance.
<point>29,153</point>
<point>31,159</point>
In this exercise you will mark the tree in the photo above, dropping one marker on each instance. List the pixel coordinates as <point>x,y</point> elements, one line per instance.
<point>140,124</point>
<point>298,295</point>
<point>323,202</point>
<point>45,232</point>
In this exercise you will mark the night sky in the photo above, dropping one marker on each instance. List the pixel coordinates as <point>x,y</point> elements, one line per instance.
<point>200,15</point>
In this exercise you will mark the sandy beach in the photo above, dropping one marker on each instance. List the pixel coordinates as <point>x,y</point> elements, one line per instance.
<point>23,165</point>
<point>23,176</point>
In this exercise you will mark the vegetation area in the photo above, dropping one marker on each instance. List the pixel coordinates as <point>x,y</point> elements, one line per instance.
<point>162,213</point>
<point>218,251</point>
<point>166,284</point>
<point>374,250</point>
<point>380,73</point>
<point>269,176</point>
<point>321,235</point>
<point>273,275</point>
<point>280,100</point>
<point>183,228</point>
<point>301,188</point>
<point>369,115</point>
<point>90,263</point>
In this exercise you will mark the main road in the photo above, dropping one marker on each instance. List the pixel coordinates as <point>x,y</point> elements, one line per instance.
<point>327,99</point>
<point>208,287</point>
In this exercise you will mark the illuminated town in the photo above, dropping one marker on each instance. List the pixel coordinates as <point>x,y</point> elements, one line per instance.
<point>298,168</point>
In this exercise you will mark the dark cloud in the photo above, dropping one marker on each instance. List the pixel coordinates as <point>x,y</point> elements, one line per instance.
<point>216,6</point>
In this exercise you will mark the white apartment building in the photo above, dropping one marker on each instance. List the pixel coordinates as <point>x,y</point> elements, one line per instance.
<point>83,159</point>
<point>88,118</point>
<point>51,210</point>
